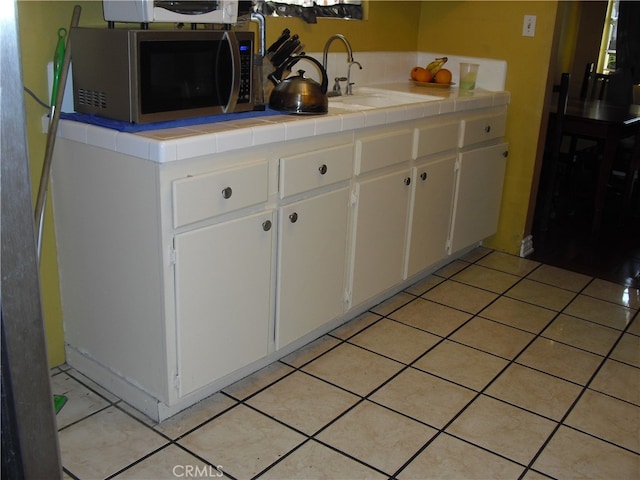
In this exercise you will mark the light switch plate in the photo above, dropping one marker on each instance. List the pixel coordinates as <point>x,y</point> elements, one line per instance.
<point>529,26</point>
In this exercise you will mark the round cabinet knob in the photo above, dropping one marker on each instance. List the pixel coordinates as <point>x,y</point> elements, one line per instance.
<point>487,128</point>
<point>505,154</point>
<point>226,192</point>
<point>322,169</point>
<point>266,225</point>
<point>423,176</point>
<point>407,181</point>
<point>293,217</point>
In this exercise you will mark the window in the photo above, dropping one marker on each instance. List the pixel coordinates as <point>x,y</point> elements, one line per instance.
<point>310,10</point>
<point>607,58</point>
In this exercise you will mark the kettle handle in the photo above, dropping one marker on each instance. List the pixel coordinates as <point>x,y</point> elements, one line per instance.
<point>293,60</point>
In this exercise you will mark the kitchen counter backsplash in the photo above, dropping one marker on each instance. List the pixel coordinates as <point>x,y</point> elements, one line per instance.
<point>385,67</point>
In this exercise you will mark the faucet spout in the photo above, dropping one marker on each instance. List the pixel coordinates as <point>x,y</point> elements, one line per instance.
<point>349,82</point>
<point>337,36</point>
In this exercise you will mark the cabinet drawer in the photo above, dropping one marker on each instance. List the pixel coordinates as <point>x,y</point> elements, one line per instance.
<point>435,139</point>
<point>382,150</point>
<point>482,128</point>
<point>300,173</point>
<point>203,196</point>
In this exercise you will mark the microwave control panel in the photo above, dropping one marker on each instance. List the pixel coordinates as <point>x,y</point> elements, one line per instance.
<point>246,56</point>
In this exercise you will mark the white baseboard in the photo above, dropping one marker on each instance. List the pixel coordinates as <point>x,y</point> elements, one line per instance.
<point>526,248</point>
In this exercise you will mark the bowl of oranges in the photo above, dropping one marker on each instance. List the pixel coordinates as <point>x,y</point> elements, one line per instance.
<point>433,75</point>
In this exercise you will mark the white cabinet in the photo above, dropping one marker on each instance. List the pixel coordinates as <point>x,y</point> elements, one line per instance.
<point>482,127</point>
<point>312,170</point>
<point>311,264</point>
<point>430,215</point>
<point>383,149</point>
<point>180,277</point>
<point>215,193</point>
<point>312,247</point>
<point>223,298</point>
<point>217,266</point>
<point>478,195</point>
<point>481,168</point>
<point>380,227</point>
<point>432,191</point>
<point>381,205</point>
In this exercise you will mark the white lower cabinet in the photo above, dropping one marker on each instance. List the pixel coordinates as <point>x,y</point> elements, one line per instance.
<point>223,298</point>
<point>478,195</point>
<point>206,268</point>
<point>312,256</point>
<point>430,214</point>
<point>380,226</point>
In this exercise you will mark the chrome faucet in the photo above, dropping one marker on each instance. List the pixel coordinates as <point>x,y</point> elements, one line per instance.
<point>350,61</point>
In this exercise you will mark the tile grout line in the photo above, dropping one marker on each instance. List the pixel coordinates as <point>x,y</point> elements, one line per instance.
<point>362,398</point>
<point>366,397</point>
<point>481,391</point>
<point>578,398</point>
<point>405,367</point>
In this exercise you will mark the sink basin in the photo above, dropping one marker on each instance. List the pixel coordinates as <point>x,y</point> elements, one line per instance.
<point>368,98</point>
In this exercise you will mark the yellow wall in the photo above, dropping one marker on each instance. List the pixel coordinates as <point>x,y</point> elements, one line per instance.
<point>474,28</point>
<point>38,24</point>
<point>494,30</point>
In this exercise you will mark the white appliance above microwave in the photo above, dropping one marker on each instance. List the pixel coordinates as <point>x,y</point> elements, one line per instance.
<point>174,11</point>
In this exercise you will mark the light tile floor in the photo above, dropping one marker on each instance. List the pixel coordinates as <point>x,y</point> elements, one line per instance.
<point>495,367</point>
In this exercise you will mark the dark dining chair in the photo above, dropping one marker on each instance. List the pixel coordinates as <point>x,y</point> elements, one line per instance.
<point>594,84</point>
<point>553,157</point>
<point>584,150</point>
<point>626,166</point>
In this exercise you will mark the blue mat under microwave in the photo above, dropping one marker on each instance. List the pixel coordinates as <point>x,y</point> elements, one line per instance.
<point>184,122</point>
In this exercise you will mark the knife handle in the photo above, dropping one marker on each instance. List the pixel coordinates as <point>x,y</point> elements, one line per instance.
<point>278,43</point>
<point>285,51</point>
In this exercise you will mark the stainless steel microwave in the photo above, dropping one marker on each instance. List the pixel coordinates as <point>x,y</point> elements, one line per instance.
<point>143,76</point>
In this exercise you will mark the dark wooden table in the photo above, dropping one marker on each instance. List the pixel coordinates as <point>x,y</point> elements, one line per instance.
<point>606,123</point>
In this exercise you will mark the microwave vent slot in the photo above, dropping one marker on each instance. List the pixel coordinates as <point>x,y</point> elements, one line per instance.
<point>92,98</point>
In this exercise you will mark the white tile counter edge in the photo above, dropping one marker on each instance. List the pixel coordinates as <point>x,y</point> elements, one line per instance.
<point>173,144</point>
<point>168,145</point>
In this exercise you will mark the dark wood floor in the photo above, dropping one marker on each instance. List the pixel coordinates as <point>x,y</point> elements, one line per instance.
<point>612,254</point>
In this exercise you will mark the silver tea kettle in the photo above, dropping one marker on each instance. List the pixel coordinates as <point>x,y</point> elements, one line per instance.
<point>298,94</point>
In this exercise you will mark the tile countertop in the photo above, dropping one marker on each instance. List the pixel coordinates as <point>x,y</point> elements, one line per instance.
<point>179,143</point>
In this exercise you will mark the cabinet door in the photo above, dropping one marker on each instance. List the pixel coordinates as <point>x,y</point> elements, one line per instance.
<point>430,213</point>
<point>311,265</point>
<point>478,195</point>
<point>380,234</point>
<point>223,291</point>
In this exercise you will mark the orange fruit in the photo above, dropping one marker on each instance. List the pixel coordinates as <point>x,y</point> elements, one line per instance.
<point>420,74</point>
<point>442,76</point>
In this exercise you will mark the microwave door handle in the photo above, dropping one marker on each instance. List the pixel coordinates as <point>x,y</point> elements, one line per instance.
<point>235,71</point>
